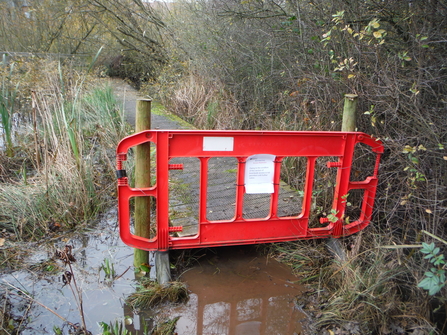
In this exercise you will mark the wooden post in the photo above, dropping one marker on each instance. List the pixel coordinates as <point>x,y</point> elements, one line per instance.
<point>142,179</point>
<point>349,113</point>
<point>348,124</point>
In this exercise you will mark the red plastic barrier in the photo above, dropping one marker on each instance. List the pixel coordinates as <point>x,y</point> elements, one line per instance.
<point>242,145</point>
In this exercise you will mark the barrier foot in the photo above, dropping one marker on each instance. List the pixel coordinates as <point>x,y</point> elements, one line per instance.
<point>162,267</point>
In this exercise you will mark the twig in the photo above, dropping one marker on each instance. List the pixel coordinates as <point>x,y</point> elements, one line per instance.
<point>67,257</point>
<point>4,309</point>
<point>117,277</point>
<point>434,236</point>
<point>78,300</point>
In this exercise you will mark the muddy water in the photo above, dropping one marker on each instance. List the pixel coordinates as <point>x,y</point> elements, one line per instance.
<point>233,290</point>
<point>237,291</point>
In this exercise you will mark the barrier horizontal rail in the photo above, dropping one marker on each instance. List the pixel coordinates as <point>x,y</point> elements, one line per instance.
<point>259,155</point>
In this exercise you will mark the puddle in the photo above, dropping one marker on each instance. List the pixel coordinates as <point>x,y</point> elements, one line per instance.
<point>102,300</point>
<point>233,290</point>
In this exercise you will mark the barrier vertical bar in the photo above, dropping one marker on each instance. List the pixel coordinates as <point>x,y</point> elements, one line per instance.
<point>163,270</point>
<point>276,186</point>
<point>240,188</point>
<point>203,191</point>
<point>308,187</point>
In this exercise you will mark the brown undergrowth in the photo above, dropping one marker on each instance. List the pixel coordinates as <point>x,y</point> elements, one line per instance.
<point>372,292</point>
<point>378,288</point>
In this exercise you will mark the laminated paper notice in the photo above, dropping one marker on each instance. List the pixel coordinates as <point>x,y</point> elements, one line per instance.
<point>259,172</point>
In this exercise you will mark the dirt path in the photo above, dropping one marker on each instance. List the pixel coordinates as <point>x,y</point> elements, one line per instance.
<point>128,97</point>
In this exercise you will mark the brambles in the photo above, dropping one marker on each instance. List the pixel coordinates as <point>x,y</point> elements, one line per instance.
<point>435,278</point>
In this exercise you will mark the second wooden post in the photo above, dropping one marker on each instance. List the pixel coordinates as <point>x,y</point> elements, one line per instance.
<point>348,124</point>
<point>349,113</point>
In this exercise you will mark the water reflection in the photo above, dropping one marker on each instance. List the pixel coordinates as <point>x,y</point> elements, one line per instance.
<point>102,300</point>
<point>236,291</point>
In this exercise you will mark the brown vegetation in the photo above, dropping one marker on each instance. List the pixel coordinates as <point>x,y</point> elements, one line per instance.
<point>60,173</point>
<point>270,65</point>
<point>286,65</point>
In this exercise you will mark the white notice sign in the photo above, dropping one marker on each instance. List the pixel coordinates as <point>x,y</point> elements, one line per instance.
<point>259,172</point>
<point>218,143</point>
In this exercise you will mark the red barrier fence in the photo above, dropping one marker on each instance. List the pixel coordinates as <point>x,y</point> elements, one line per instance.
<point>260,155</point>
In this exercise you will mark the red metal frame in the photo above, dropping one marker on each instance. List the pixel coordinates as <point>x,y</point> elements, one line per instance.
<point>237,231</point>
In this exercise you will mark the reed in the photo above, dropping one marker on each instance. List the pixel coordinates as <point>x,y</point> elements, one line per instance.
<point>78,126</point>
<point>7,100</point>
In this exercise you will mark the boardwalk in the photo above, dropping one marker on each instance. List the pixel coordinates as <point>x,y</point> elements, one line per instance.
<point>184,191</point>
<point>184,184</point>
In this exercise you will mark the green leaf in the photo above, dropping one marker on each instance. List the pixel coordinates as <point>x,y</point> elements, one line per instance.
<point>432,285</point>
<point>439,260</point>
<point>442,278</point>
<point>425,283</point>
<point>427,248</point>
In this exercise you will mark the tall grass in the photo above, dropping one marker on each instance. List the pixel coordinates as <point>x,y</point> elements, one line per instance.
<point>7,100</point>
<point>372,293</point>
<point>205,104</point>
<point>78,129</point>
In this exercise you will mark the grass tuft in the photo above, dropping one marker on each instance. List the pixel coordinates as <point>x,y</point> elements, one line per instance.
<point>151,294</point>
